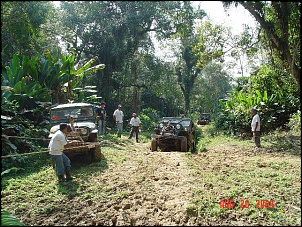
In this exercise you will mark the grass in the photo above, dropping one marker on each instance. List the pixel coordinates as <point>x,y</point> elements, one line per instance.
<point>240,173</point>
<point>224,168</point>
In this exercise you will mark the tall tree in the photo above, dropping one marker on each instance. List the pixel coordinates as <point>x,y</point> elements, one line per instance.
<point>198,49</point>
<point>214,83</point>
<point>280,22</point>
<point>187,70</point>
<point>113,31</point>
<point>25,28</point>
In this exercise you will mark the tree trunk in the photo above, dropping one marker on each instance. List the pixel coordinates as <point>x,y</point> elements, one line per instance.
<point>278,43</point>
<point>135,87</point>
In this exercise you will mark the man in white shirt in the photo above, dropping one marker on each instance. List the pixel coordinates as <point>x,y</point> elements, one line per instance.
<point>255,125</point>
<point>56,147</point>
<point>118,117</point>
<point>135,124</point>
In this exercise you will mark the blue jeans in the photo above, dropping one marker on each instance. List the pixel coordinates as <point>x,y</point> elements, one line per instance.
<point>61,162</point>
<point>119,128</point>
<point>101,127</point>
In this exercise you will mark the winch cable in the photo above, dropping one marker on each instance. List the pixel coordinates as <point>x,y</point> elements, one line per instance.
<point>37,152</point>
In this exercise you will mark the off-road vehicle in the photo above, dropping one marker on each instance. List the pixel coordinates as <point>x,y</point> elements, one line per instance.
<point>204,119</point>
<point>174,134</point>
<point>80,116</point>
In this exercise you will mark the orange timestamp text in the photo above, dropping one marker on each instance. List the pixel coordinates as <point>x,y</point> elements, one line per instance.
<point>245,203</point>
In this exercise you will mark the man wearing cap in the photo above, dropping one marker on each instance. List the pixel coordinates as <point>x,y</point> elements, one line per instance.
<point>255,125</point>
<point>118,117</point>
<point>135,124</point>
<point>56,147</point>
<point>101,117</point>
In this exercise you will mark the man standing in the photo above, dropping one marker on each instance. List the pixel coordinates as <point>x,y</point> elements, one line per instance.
<point>118,117</point>
<point>56,147</point>
<point>135,124</point>
<point>101,118</point>
<point>255,125</point>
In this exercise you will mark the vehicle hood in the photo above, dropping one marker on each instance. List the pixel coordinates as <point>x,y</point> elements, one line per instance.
<point>90,125</point>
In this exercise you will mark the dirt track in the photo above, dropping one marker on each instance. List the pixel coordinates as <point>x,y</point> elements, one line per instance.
<point>138,187</point>
<point>147,188</point>
<point>157,189</point>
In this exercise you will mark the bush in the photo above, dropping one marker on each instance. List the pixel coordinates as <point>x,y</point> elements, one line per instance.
<point>295,121</point>
<point>149,118</point>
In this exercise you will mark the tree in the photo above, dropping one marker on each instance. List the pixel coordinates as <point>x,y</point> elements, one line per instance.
<point>187,69</point>
<point>280,22</point>
<point>214,83</point>
<point>197,51</point>
<point>114,31</point>
<point>25,28</point>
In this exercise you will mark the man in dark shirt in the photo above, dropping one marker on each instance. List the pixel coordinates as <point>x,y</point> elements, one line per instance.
<point>101,118</point>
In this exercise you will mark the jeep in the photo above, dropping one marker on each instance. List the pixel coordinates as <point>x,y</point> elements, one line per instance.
<point>204,119</point>
<point>174,134</point>
<point>80,116</point>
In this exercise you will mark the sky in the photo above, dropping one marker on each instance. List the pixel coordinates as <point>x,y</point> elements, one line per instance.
<point>234,17</point>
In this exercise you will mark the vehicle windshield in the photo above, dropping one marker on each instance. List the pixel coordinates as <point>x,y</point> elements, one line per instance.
<point>77,113</point>
<point>183,122</point>
<point>204,116</point>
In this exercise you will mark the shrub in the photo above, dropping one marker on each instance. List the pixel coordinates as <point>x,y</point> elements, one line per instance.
<point>295,121</point>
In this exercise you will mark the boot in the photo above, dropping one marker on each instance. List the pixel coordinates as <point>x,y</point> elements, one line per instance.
<point>62,180</point>
<point>68,175</point>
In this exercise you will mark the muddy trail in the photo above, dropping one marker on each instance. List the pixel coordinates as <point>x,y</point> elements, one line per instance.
<point>147,188</point>
<point>133,186</point>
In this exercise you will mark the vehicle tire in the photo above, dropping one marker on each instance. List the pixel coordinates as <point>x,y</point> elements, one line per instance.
<point>93,137</point>
<point>193,147</point>
<point>184,144</point>
<point>153,145</point>
<point>96,153</point>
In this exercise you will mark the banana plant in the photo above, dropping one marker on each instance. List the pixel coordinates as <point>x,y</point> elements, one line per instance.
<point>8,219</point>
<point>44,77</point>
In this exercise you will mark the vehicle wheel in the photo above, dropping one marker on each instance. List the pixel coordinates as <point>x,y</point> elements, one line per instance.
<point>96,153</point>
<point>193,147</point>
<point>93,137</point>
<point>153,145</point>
<point>184,144</point>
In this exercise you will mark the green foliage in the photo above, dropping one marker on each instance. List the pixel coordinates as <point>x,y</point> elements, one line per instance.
<point>15,122</point>
<point>9,220</point>
<point>280,23</point>
<point>268,91</point>
<point>295,121</point>
<point>50,73</point>
<point>20,83</point>
<point>24,28</point>
<point>210,130</point>
<point>149,118</point>
<point>214,83</point>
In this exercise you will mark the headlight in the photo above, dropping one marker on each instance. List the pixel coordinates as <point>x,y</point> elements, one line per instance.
<point>178,126</point>
<point>161,125</point>
<point>84,131</point>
